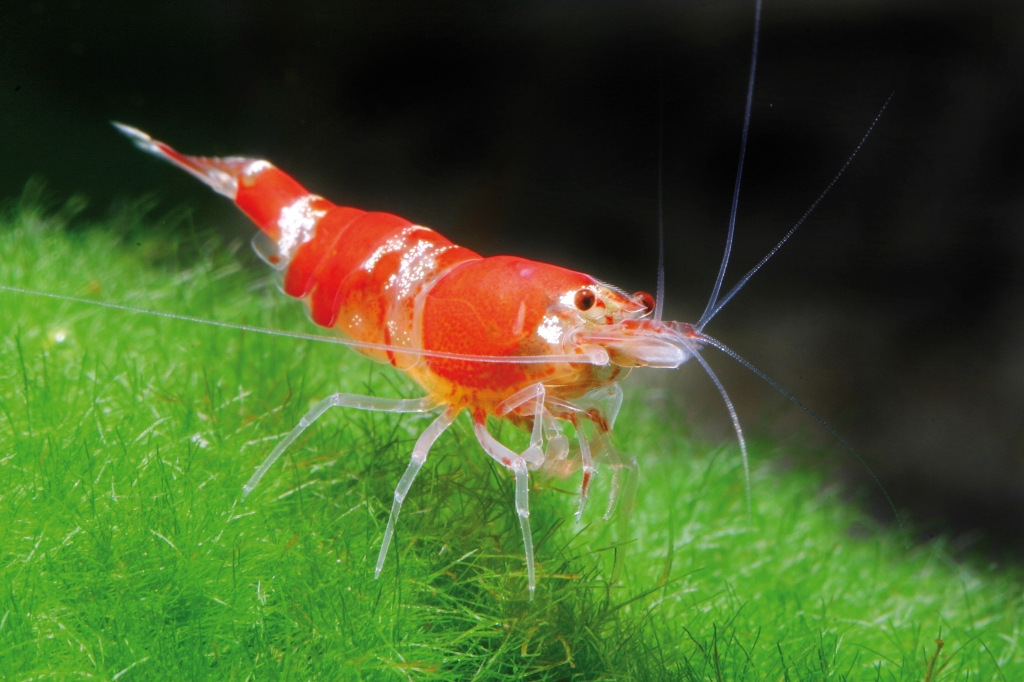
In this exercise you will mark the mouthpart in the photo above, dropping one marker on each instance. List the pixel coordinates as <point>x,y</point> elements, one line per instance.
<point>639,343</point>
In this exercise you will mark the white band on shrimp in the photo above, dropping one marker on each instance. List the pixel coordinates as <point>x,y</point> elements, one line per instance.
<point>297,223</point>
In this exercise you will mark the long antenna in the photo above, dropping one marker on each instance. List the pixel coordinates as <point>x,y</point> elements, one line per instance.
<point>596,357</point>
<point>703,338</point>
<point>659,301</point>
<point>739,285</point>
<point>735,421</point>
<point>739,173</point>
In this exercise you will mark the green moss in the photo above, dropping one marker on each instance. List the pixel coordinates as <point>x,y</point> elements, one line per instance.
<point>126,553</point>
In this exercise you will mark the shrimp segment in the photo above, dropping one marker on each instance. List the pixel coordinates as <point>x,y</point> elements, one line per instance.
<point>448,317</point>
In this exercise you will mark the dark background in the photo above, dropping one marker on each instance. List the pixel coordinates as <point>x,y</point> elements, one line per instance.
<point>531,128</point>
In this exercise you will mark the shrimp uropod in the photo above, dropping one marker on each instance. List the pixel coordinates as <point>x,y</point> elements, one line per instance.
<point>500,336</point>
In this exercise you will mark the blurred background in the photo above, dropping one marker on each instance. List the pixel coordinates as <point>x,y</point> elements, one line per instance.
<point>532,128</point>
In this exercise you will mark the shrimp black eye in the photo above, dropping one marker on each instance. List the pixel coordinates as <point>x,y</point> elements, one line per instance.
<point>585,299</point>
<point>644,299</point>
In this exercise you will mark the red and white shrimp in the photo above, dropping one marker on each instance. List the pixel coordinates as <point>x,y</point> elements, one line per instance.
<point>498,337</point>
<point>503,337</point>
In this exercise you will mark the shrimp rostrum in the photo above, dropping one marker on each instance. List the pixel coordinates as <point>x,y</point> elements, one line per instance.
<point>500,337</point>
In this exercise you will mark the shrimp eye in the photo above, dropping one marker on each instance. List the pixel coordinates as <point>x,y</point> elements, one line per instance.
<point>644,299</point>
<point>585,299</point>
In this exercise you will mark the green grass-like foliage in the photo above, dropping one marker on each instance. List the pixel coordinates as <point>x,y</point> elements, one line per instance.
<point>126,553</point>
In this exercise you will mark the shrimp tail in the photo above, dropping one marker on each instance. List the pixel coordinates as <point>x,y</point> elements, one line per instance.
<point>255,185</point>
<point>220,174</point>
<point>324,251</point>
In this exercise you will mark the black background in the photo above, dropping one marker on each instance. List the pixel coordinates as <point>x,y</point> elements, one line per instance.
<point>532,128</point>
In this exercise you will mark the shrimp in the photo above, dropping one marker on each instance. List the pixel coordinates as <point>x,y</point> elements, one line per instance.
<point>503,337</point>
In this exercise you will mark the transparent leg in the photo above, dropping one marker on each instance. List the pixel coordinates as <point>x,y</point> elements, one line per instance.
<point>600,407</point>
<point>358,402</point>
<point>631,470</point>
<point>534,455</point>
<point>632,479</point>
<point>588,470</point>
<point>419,456</point>
<point>613,494</point>
<point>609,400</point>
<point>558,445</point>
<point>604,452</point>
<point>576,415</point>
<point>517,464</point>
<point>523,511</point>
<point>519,398</point>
